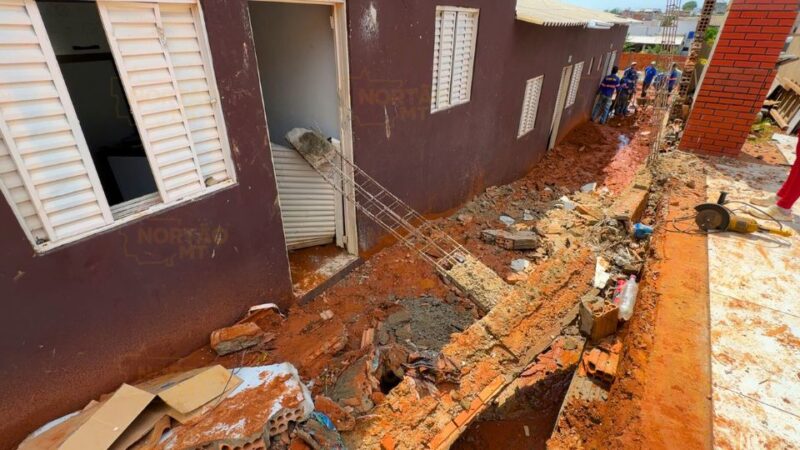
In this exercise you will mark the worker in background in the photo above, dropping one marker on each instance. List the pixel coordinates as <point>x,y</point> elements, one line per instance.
<point>631,71</point>
<point>626,91</point>
<point>779,206</point>
<point>605,95</point>
<point>674,76</point>
<point>650,73</point>
<point>631,82</point>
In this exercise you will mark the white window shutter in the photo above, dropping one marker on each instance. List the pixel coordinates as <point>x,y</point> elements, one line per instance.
<point>444,72</point>
<point>466,27</point>
<point>455,35</point>
<point>139,44</point>
<point>575,82</point>
<point>46,170</point>
<point>530,105</point>
<point>188,50</point>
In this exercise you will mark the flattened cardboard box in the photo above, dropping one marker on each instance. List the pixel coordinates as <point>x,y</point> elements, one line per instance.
<point>130,413</point>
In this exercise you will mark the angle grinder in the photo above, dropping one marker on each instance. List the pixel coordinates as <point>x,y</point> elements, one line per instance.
<point>715,216</point>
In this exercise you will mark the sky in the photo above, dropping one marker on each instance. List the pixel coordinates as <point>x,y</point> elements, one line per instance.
<point>608,4</point>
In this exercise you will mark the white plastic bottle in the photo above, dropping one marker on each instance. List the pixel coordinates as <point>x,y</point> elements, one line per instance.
<point>628,300</point>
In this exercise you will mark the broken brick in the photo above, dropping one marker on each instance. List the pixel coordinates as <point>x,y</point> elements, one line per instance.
<point>235,338</point>
<point>343,420</point>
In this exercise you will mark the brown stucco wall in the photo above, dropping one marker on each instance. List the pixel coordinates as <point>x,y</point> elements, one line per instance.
<point>438,161</point>
<point>84,318</point>
<point>80,320</point>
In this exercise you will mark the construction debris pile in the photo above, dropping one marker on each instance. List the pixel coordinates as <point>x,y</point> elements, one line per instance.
<point>424,358</point>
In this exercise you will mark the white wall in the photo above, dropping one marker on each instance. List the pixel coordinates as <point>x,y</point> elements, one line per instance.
<point>295,49</point>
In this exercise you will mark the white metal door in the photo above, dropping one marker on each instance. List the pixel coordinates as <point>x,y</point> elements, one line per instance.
<point>561,98</point>
<point>307,201</point>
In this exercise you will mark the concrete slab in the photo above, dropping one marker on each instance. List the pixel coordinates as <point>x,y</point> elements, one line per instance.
<point>755,322</point>
<point>787,145</point>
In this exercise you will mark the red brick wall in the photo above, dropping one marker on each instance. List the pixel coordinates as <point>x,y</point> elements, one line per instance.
<point>644,59</point>
<point>739,75</point>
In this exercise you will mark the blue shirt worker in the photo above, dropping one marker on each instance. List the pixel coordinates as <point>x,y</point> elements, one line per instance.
<point>674,76</point>
<point>625,91</point>
<point>631,72</point>
<point>604,96</point>
<point>650,73</point>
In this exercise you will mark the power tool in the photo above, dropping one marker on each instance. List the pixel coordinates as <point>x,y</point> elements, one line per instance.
<point>715,216</point>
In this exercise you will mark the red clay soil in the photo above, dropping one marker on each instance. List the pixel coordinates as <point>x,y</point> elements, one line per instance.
<point>662,398</point>
<point>322,349</point>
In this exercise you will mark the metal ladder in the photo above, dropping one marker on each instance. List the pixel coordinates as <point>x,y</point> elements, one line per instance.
<point>392,214</point>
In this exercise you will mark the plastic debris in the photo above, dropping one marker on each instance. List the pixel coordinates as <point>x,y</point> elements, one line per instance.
<point>642,231</point>
<point>601,274</point>
<point>520,265</point>
<point>568,204</point>
<point>507,220</point>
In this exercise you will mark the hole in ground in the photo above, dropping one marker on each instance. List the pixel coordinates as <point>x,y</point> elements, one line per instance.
<point>389,381</point>
<point>522,416</point>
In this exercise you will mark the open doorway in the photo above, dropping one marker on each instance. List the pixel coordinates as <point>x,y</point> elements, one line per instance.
<point>301,53</point>
<point>94,86</point>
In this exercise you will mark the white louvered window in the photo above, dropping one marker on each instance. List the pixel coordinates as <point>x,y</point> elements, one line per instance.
<point>48,173</point>
<point>574,83</point>
<point>455,35</point>
<point>530,105</point>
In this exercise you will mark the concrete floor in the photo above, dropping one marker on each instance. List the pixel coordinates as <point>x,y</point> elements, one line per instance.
<point>755,322</point>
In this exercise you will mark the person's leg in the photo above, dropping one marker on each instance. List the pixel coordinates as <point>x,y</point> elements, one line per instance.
<point>597,110</point>
<point>790,191</point>
<point>794,173</point>
<point>606,110</point>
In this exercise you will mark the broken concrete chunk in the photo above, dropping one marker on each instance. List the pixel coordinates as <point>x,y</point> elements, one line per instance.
<point>590,211</point>
<point>313,147</point>
<point>480,283</point>
<point>567,204</point>
<point>354,386</point>
<point>465,218</point>
<point>326,315</point>
<point>511,240</point>
<point>235,338</point>
<point>527,216</point>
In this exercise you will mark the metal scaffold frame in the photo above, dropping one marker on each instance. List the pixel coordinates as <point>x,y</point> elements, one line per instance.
<point>662,104</point>
<point>392,214</point>
<point>694,56</point>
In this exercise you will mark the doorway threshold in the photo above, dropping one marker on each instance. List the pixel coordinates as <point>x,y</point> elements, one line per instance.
<point>315,268</point>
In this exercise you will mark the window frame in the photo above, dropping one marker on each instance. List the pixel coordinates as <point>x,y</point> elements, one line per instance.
<point>134,209</point>
<point>574,84</point>
<point>435,108</point>
<point>529,103</point>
